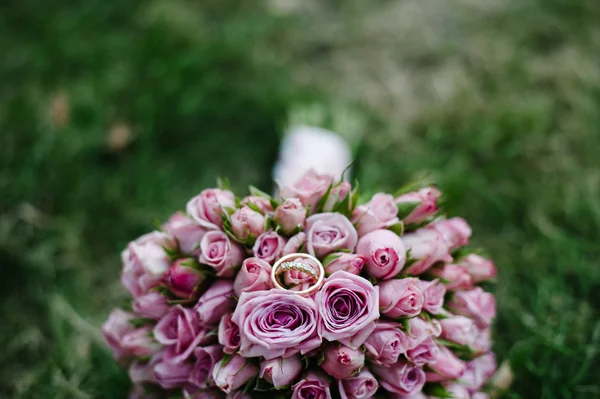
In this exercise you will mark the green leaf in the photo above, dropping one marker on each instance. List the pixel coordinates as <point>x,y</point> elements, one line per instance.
<point>405,209</point>
<point>425,181</point>
<point>397,228</point>
<point>141,321</point>
<point>257,192</point>
<point>323,199</point>
<point>437,391</point>
<point>354,194</point>
<point>406,324</point>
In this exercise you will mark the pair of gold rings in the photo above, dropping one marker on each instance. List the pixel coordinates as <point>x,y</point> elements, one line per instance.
<point>300,262</point>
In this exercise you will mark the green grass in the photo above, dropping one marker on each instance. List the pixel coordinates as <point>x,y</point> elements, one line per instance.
<point>499,100</point>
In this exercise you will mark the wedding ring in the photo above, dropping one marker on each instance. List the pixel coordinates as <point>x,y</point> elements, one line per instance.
<point>303,263</point>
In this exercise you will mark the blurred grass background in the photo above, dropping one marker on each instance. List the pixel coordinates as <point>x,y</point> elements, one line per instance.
<point>113,114</point>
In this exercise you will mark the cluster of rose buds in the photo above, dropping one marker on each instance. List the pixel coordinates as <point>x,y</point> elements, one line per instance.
<point>401,313</point>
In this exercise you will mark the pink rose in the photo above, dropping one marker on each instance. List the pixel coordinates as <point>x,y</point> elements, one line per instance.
<point>184,279</point>
<point>262,203</point>
<point>362,386</point>
<point>290,215</point>
<point>337,194</point>
<point>427,247</point>
<point>459,329</point>
<point>479,268</point>
<point>309,189</point>
<point>340,361</point>
<point>247,223</point>
<point>180,331</point>
<point>400,378</point>
<point>483,341</point>
<point>329,232</point>
<point>215,303</point>
<point>255,275</point>
<point>171,375</point>
<point>219,252</point>
<point>456,231</point>
<point>421,329</point>
<point>269,246</point>
<point>294,243</point>
<point>276,323</point>
<point>206,359</point>
<point>475,303</point>
<point>139,342</point>
<point>384,251</point>
<point>447,366</point>
<point>433,296</point>
<point>350,263</point>
<point>313,386</point>
<point>296,280</point>
<point>208,208</point>
<point>379,213</point>
<point>152,305</point>
<point>281,372</point>
<point>186,232</point>
<point>426,353</point>
<point>386,343</point>
<point>425,201</point>
<point>140,372</point>
<point>234,373</point>
<point>455,277</point>
<point>478,371</point>
<point>349,306</point>
<point>400,297</point>
<point>229,335</point>
<point>457,391</point>
<point>115,328</point>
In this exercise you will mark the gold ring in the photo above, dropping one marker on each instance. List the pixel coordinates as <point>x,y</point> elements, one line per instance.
<point>294,262</point>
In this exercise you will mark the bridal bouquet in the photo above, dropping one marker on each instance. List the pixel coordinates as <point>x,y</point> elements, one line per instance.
<point>312,294</point>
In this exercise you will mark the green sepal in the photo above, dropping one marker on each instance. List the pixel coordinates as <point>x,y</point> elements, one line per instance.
<point>223,183</point>
<point>425,181</point>
<point>347,168</point>
<point>354,194</point>
<point>397,228</point>
<point>330,258</point>
<point>253,206</point>
<point>141,321</point>
<point>258,192</point>
<point>406,325</point>
<point>320,358</point>
<point>323,200</point>
<point>462,252</point>
<point>406,208</point>
<point>437,390</point>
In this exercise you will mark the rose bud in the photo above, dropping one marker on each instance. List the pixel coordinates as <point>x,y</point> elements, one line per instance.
<point>153,305</point>
<point>475,303</point>
<point>478,372</point>
<point>420,330</point>
<point>456,231</point>
<point>255,275</point>
<point>479,268</point>
<point>309,189</point>
<point>290,215</point>
<point>340,361</point>
<point>426,353</point>
<point>385,253</point>
<point>314,386</point>
<point>329,232</point>
<point>115,328</point>
<point>459,329</point>
<point>172,375</point>
<point>447,366</point>
<point>234,373</point>
<point>400,378</point>
<point>140,372</point>
<point>187,232</point>
<point>139,342</point>
<point>455,277</point>
<point>247,223</point>
<point>457,391</point>
<point>216,302</point>
<point>262,203</point>
<point>206,359</point>
<point>220,253</point>
<point>424,202</point>
<point>294,243</point>
<point>386,343</point>
<point>362,386</point>
<point>400,297</point>
<point>269,246</point>
<point>208,208</point>
<point>229,335</point>
<point>296,280</point>
<point>379,213</point>
<point>337,194</point>
<point>433,296</point>
<point>350,263</point>
<point>281,372</point>
<point>427,247</point>
<point>184,280</point>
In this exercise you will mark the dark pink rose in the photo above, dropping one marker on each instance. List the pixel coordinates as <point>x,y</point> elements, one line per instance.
<point>216,302</point>
<point>478,372</point>
<point>255,275</point>
<point>229,335</point>
<point>294,243</point>
<point>386,343</point>
<point>290,215</point>
<point>329,232</point>
<point>276,323</point>
<point>221,253</point>
<point>401,378</point>
<point>425,353</point>
<point>338,193</point>
<point>281,372</point>
<point>262,203</point>
<point>478,267</point>
<point>139,342</point>
<point>269,246</point>
<point>421,329</point>
<point>234,373</point>
<point>180,331</point>
<point>350,263</point>
<point>456,231</point>
<point>427,247</point>
<point>433,296</point>
<point>246,223</point>
<point>152,305</point>
<point>340,361</point>
<point>426,204</point>
<point>172,375</point>
<point>362,386</point>
<point>208,208</point>
<point>313,386</point>
<point>384,251</point>
<point>379,213</point>
<point>349,306</point>
<point>475,303</point>
<point>455,277</point>
<point>309,189</point>
<point>186,232</point>
<point>400,297</point>
<point>459,329</point>
<point>447,366</point>
<point>184,279</point>
<point>115,328</point>
<point>206,359</point>
<point>141,372</point>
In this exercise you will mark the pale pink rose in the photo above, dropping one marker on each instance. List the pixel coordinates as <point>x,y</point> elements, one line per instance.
<point>426,204</point>
<point>459,329</point>
<point>219,252</point>
<point>234,373</point>
<point>478,372</point>
<point>246,223</point>
<point>229,335</point>
<point>349,306</point>
<point>385,253</point>
<point>400,297</point>
<point>290,215</point>
<point>208,208</point>
<point>276,323</point>
<point>309,189</point>
<point>433,296</point>
<point>294,243</point>
<point>281,372</point>
<point>180,332</point>
<point>338,193</point>
<point>206,359</point>
<point>115,328</point>
<point>269,246</point>
<point>426,353</point>
<point>379,213</point>
<point>262,203</point>
<point>172,375</point>
<point>350,263</point>
<point>386,343</point>
<point>184,279</point>
<point>362,386</point>
<point>255,275</point>
<point>426,247</point>
<point>139,342</point>
<point>145,263</point>
<point>153,305</point>
<point>456,231</point>
<point>187,232</point>
<point>455,277</point>
<point>314,386</point>
<point>401,378</point>
<point>475,303</point>
<point>457,391</point>
<point>483,341</point>
<point>340,361</point>
<point>420,330</point>
<point>447,366</point>
<point>479,268</point>
<point>141,372</point>
<point>329,232</point>
<point>216,302</point>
